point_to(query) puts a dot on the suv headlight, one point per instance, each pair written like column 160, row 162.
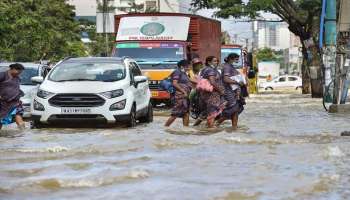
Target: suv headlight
column 118, row 106
column 44, row 94
column 113, row 93
column 38, row 106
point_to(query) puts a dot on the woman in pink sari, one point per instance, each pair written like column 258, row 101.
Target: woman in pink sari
column 213, row 100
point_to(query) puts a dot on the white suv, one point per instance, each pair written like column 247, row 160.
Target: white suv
column 92, row 89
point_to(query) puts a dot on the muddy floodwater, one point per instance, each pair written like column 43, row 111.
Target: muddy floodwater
column 286, row 147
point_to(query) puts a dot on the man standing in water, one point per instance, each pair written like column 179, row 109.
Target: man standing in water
column 10, row 105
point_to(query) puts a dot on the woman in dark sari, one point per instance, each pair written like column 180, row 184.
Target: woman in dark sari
column 214, row 103
column 10, row 105
column 233, row 97
column 182, row 84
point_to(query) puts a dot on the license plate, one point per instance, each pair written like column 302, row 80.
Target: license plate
column 75, row 110
column 154, row 93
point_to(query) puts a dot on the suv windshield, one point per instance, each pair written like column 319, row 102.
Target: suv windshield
column 74, row 71
column 162, row 52
column 26, row 75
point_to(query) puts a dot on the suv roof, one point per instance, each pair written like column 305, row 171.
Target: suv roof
column 95, row 59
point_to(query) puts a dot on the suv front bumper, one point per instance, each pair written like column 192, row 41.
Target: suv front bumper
column 102, row 113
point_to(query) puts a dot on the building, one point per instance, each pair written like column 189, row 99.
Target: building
column 272, row 35
column 88, row 8
column 276, row 36
column 85, row 9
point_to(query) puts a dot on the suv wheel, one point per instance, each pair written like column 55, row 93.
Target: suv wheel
column 36, row 125
column 148, row 118
column 132, row 117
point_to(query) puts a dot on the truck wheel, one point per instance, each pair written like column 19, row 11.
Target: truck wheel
column 148, row 118
column 132, row 117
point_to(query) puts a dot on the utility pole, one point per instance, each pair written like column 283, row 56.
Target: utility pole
column 246, row 43
column 330, row 49
column 158, row 2
column 235, row 36
column 105, row 17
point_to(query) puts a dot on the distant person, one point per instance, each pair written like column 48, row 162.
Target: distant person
column 269, row 77
column 234, row 98
column 10, row 105
column 182, row 84
column 197, row 65
column 195, row 102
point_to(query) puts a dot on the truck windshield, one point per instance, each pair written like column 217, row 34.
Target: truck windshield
column 151, row 53
column 225, row 52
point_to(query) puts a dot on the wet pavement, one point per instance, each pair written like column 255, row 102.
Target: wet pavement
column 286, row 147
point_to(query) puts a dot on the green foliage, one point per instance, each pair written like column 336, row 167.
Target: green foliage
column 31, row 30
column 266, row 54
column 301, row 15
column 97, row 47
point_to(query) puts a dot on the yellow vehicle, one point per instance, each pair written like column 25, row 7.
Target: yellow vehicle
column 157, row 41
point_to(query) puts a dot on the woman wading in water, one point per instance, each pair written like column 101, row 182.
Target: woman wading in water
column 11, row 109
column 182, row 84
column 214, row 103
column 234, row 99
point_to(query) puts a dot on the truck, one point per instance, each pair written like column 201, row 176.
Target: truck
column 157, row 41
column 231, row 48
column 238, row 49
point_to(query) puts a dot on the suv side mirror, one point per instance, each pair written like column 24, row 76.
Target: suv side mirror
column 140, row 79
column 37, row 79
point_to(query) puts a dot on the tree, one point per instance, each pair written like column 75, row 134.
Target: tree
column 32, row 30
column 302, row 17
column 96, row 47
column 266, row 54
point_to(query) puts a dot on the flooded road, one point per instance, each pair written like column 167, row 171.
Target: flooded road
column 287, row 147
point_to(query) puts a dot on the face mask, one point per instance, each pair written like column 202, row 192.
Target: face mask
column 182, row 69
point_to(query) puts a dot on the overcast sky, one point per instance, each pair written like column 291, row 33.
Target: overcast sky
column 242, row 29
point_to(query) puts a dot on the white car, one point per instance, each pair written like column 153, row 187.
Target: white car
column 283, row 82
column 27, row 86
column 105, row 90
